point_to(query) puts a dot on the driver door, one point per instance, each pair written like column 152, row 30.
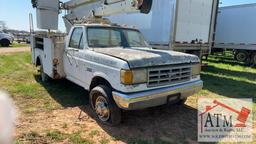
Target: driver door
column 71, row 56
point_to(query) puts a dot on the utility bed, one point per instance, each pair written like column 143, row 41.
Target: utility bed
column 50, row 48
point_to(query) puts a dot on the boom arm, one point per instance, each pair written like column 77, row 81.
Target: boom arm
column 111, row 7
column 78, row 10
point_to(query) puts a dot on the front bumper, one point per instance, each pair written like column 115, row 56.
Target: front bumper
column 156, row 97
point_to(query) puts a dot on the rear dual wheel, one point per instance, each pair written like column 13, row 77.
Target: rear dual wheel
column 254, row 58
column 245, row 56
column 242, row 56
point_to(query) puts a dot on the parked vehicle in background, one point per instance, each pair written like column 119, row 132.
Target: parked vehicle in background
column 176, row 25
column 236, row 30
column 19, row 35
column 22, row 37
column 6, row 39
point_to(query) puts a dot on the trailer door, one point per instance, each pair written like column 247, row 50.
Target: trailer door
column 193, row 21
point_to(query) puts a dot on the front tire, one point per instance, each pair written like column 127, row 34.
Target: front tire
column 104, row 106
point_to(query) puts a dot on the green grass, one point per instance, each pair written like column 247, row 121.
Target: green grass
column 17, row 75
column 17, row 45
column 93, row 133
column 21, row 79
column 53, row 137
column 227, row 78
column 222, row 78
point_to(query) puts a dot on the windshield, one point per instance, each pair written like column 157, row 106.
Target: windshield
column 114, row 37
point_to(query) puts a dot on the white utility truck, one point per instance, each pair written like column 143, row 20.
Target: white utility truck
column 236, row 30
column 114, row 63
column 178, row 25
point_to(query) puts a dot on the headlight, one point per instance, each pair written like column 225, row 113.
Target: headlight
column 130, row 77
column 196, row 69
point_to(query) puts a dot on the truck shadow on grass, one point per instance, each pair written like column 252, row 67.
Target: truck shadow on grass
column 164, row 124
column 64, row 92
column 232, row 85
column 235, row 74
column 229, row 60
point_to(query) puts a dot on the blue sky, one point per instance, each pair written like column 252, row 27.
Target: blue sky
column 15, row 12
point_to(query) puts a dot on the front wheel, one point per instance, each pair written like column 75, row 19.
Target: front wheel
column 104, row 106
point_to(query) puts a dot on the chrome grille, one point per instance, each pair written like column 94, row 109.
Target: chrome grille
column 168, row 75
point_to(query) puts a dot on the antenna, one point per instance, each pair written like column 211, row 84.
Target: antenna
column 31, row 23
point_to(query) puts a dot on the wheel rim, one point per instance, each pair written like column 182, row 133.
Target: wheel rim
column 241, row 57
column 254, row 59
column 102, row 109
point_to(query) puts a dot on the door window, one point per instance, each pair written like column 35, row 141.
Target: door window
column 77, row 39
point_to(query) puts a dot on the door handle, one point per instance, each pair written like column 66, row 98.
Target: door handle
column 71, row 57
column 71, row 50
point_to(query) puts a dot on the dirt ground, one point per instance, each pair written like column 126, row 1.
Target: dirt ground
column 6, row 50
column 166, row 124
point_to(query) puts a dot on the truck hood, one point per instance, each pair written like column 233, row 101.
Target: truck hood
column 141, row 57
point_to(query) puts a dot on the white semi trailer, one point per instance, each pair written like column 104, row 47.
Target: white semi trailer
column 236, row 30
column 179, row 25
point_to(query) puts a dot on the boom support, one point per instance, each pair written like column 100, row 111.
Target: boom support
column 80, row 10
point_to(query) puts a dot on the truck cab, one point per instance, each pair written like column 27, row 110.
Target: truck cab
column 118, row 67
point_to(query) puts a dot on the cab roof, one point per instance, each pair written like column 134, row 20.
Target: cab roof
column 105, row 25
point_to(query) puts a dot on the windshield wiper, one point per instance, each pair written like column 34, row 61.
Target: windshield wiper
column 107, row 46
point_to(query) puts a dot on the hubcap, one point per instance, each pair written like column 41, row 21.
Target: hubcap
column 241, row 57
column 102, row 109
